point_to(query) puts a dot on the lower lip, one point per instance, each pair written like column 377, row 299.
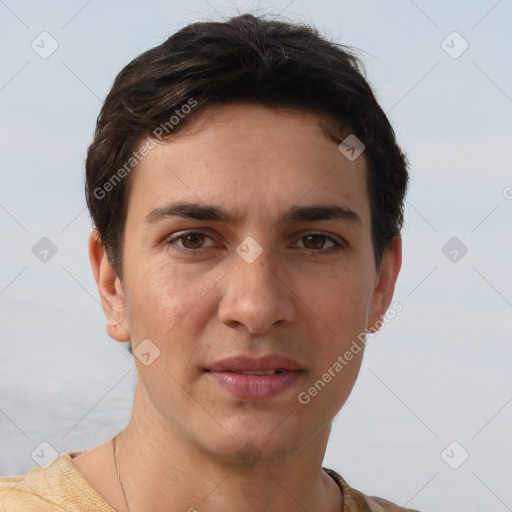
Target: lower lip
column 256, row 387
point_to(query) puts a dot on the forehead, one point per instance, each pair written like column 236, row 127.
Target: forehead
column 245, row 157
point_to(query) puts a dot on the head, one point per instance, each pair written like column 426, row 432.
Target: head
column 243, row 119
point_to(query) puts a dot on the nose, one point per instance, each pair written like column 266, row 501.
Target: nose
column 256, row 296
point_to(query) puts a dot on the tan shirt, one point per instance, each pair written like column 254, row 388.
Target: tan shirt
column 60, row 486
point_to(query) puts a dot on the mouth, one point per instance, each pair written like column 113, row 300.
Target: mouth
column 264, row 372
column 256, row 379
column 255, row 365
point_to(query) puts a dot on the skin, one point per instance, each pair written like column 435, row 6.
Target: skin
column 185, row 430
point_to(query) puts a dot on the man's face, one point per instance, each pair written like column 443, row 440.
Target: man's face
column 266, row 284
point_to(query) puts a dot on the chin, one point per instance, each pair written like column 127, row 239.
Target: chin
column 258, row 439
column 249, row 451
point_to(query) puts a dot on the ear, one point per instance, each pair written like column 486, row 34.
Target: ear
column 110, row 289
column 385, row 284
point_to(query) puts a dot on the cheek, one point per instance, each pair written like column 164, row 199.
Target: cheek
column 168, row 307
column 339, row 301
column 161, row 299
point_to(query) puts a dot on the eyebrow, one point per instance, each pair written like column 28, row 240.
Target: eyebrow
column 315, row 212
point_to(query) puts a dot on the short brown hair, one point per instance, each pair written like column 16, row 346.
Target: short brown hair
column 247, row 59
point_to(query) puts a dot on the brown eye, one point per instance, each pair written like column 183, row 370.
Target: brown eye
column 192, row 240
column 191, row 243
column 314, row 241
column 318, row 244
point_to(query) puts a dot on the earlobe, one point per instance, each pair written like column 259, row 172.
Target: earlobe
column 385, row 284
column 110, row 289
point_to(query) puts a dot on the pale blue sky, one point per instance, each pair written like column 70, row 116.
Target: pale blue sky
column 440, row 372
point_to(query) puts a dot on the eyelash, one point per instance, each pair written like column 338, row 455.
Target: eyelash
column 196, row 252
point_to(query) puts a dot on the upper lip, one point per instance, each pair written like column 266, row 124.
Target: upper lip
column 253, row 364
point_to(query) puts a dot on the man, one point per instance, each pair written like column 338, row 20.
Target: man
column 247, row 197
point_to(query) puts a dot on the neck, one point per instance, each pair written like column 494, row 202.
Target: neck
column 163, row 470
